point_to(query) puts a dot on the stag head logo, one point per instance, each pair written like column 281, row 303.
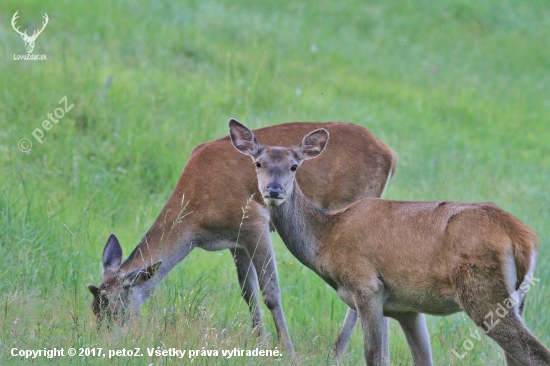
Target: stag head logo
column 29, row 40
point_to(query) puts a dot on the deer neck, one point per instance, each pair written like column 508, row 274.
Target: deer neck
column 301, row 225
column 168, row 240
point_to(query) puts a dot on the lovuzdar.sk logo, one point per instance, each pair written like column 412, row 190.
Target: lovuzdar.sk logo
column 29, row 40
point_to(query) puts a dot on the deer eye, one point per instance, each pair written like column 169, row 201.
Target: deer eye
column 258, row 165
column 294, row 167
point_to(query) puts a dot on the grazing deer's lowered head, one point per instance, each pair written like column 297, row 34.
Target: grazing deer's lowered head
column 113, row 298
column 211, row 219
column 29, row 40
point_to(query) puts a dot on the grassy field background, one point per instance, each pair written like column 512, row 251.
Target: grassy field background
column 459, row 88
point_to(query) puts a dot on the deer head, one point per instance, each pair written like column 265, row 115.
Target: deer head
column 112, row 299
column 276, row 166
column 29, row 40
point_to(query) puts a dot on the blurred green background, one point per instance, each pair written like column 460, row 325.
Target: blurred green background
column 459, row 88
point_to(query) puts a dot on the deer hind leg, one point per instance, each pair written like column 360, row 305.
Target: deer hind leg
column 521, row 347
column 485, row 298
column 260, row 250
column 416, row 332
column 345, row 334
column 386, row 341
column 248, row 280
column 509, row 359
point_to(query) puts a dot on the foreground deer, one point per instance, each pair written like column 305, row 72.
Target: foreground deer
column 402, row 259
column 205, row 211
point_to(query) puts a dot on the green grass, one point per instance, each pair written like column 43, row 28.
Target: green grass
column 458, row 88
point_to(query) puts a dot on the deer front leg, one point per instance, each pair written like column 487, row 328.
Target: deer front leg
column 347, row 329
column 416, row 332
column 248, row 281
column 369, row 305
column 263, row 258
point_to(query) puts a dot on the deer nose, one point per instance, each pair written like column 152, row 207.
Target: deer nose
column 274, row 190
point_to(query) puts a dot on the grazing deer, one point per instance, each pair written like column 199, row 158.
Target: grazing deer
column 29, row 40
column 403, row 259
column 205, row 211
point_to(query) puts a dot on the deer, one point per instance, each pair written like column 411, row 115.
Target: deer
column 403, row 259
column 205, row 210
column 29, row 40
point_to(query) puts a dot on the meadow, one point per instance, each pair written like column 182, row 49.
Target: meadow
column 458, row 88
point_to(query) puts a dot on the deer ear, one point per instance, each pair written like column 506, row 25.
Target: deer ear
column 312, row 145
column 112, row 255
column 243, row 139
column 94, row 290
column 141, row 275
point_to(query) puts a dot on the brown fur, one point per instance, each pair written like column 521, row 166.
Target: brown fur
column 402, row 259
column 205, row 211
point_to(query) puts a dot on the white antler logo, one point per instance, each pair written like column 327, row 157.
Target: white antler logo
column 29, row 40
